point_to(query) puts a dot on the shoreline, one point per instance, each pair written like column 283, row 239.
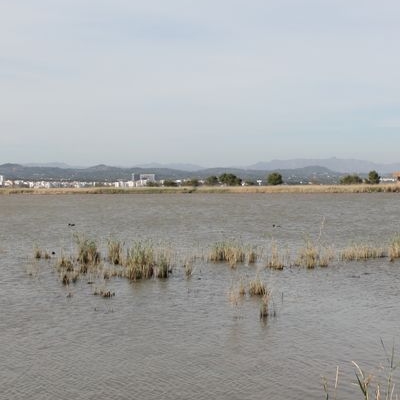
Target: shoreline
column 305, row 189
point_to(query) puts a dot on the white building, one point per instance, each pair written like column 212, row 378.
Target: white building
column 1, row 180
column 147, row 177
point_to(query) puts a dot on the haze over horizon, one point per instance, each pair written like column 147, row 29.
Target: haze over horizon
column 214, row 84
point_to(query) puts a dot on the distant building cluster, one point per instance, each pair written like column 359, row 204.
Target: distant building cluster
column 144, row 180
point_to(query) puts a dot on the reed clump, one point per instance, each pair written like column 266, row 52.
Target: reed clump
column 115, row 250
column 163, row 263
column 308, row 256
column 68, row 277
column 257, row 287
column 188, row 267
column 65, row 263
column 251, row 255
column 140, row 261
column 360, row 251
column 144, row 262
column 264, row 306
column 103, row 292
column 326, row 255
column 276, row 260
column 88, row 254
column 230, row 252
column 237, row 292
column 394, row 248
column 37, row 253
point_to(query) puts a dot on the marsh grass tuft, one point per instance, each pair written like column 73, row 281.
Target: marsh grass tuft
column 65, row 263
column 88, row 255
column 264, row 306
column 163, row 263
column 226, row 251
column 394, row 248
column 115, row 250
column 257, row 287
column 140, row 261
column 308, row 256
column 359, row 251
column 68, row 277
column 275, row 260
column 144, row 262
column 251, row 255
column 188, row 267
column 103, row 292
column 326, row 255
column 37, row 253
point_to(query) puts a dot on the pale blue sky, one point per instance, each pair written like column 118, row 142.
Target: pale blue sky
column 215, row 83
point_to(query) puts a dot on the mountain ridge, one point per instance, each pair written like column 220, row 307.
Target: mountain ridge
column 340, row 165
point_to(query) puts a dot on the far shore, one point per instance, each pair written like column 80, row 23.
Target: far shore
column 360, row 188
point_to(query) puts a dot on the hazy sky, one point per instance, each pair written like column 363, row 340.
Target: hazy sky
column 215, row 83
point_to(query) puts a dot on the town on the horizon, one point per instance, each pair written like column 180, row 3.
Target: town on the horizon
column 149, row 180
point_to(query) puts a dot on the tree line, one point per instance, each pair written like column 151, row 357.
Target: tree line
column 228, row 179
column 373, row 179
column 274, row 178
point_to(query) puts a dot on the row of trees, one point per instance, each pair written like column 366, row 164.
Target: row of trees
column 229, row 180
column 373, row 179
column 232, row 180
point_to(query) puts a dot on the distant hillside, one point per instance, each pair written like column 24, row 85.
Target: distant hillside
column 97, row 173
column 334, row 164
column 105, row 173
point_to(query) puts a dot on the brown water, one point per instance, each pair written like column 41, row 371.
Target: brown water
column 181, row 338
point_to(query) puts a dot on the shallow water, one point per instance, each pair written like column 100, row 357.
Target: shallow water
column 181, row 338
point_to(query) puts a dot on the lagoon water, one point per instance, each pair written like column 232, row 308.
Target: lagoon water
column 181, row 338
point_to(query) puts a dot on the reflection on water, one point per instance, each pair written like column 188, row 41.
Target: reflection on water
column 180, row 338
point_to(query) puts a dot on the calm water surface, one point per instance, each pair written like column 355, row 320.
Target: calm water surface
column 181, row 338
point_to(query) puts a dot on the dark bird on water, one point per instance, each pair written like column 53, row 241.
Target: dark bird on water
column 69, row 224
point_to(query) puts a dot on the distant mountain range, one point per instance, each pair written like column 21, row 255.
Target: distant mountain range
column 341, row 165
column 293, row 171
column 334, row 164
